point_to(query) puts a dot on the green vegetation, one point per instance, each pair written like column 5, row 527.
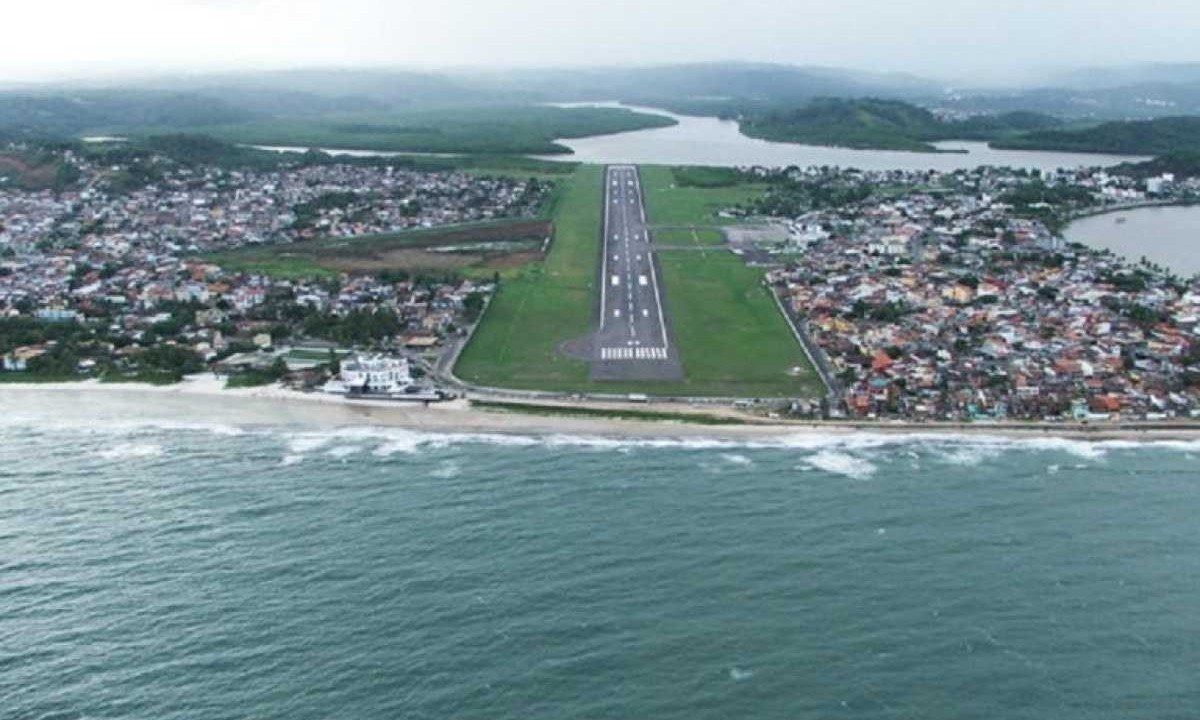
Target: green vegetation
column 362, row 328
column 706, row 177
column 1144, row 137
column 480, row 249
column 881, row 124
column 273, row 265
column 62, row 114
column 200, row 149
column 669, row 203
column 545, row 304
column 480, row 129
column 590, row 412
column 733, row 340
column 688, row 237
column 257, row 378
column 36, row 170
column 1183, row 164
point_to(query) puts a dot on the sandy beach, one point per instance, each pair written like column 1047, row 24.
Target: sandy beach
column 203, row 399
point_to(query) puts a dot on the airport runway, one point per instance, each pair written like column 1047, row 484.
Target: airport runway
column 633, row 339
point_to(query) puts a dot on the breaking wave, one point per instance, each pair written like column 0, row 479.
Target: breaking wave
column 128, row 451
column 842, row 464
column 842, row 451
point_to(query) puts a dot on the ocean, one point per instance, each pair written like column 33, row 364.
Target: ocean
column 175, row 570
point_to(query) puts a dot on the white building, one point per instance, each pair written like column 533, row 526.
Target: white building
column 371, row 375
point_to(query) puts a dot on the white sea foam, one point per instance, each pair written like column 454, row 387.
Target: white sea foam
column 289, row 460
column 737, row 459
column 738, row 674
column 842, row 464
column 126, row 451
column 970, row 456
column 343, row 451
column 405, row 444
column 963, row 448
column 307, row 443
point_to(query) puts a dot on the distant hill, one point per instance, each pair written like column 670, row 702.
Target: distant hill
column 1181, row 164
column 1145, row 137
column 881, row 124
column 382, row 88
column 67, row 113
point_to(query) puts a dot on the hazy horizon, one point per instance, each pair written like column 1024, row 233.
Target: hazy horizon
column 1021, row 42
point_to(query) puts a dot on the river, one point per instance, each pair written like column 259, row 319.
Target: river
column 1169, row 236
column 710, row 141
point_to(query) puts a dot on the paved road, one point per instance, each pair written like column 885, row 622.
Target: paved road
column 633, row 338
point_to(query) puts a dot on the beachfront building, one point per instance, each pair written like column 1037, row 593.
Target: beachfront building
column 371, row 375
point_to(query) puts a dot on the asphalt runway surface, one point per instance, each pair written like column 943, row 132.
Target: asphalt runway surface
column 633, row 338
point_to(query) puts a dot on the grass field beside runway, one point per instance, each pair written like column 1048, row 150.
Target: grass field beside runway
column 732, row 338
column 545, row 304
column 670, row 204
column 688, row 237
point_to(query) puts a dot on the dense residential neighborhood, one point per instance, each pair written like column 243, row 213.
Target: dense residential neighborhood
column 101, row 282
column 953, row 300
column 921, row 296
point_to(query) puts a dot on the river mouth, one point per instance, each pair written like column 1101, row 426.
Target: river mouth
column 1166, row 236
column 714, row 142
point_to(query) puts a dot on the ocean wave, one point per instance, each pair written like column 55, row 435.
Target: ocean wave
column 966, row 449
column 737, row 459
column 842, row 464
column 129, row 451
column 343, row 451
column 307, row 443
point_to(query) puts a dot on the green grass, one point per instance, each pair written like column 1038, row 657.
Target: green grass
column 680, row 237
column 270, row 264
column 706, row 177
column 327, row 257
column 733, row 340
column 668, row 203
column 545, row 304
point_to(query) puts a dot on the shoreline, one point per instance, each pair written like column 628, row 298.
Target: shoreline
column 203, row 399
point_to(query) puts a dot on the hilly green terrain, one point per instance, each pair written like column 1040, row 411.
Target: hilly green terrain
column 1143, row 137
column 880, row 124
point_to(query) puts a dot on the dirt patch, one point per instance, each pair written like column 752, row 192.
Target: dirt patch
column 378, row 245
column 402, row 260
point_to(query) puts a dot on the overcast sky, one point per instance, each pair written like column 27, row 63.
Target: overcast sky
column 954, row 40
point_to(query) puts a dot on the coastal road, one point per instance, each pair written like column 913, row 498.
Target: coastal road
column 633, row 340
